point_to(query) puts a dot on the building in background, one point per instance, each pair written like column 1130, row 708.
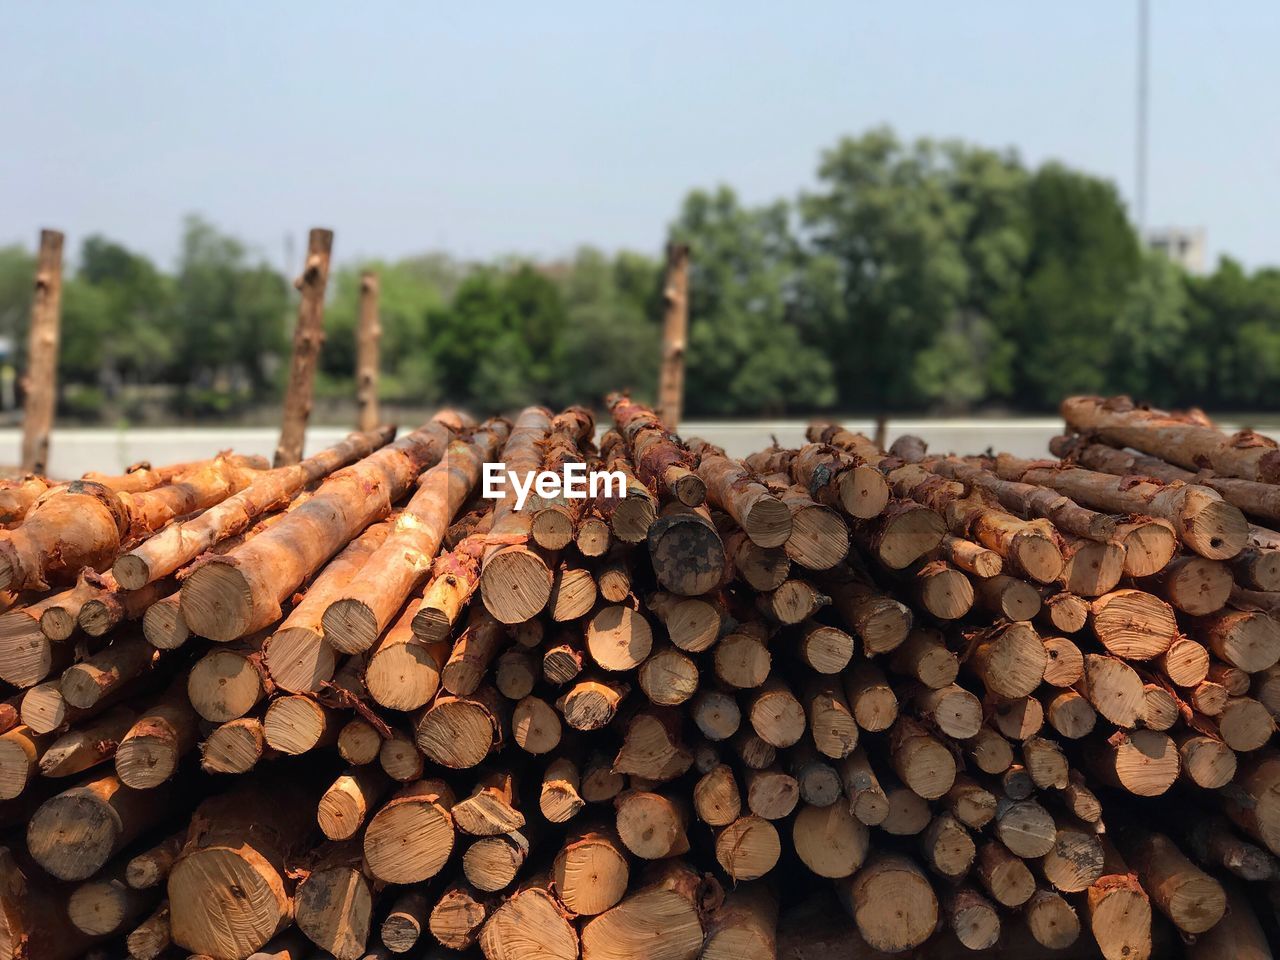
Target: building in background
column 1185, row 246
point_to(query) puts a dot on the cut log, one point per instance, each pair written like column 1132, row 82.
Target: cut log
column 1051, row 921
column 686, row 551
column 459, row 732
column 668, row 677
column 870, row 697
column 1065, row 665
column 989, row 751
column 151, row 938
column 1212, row 841
column 748, row 848
column 456, row 919
column 891, row 902
column 350, row 799
column 241, row 591
column 233, row 747
column 1010, row 660
column 1076, row 859
column 1246, row 454
column 947, row 847
column 1185, row 663
column 1133, row 624
column 1091, row 567
column 1072, row 716
column 1254, row 801
column 229, row 892
column 296, row 724
column 307, row 338
column 925, row 657
column 228, row 681
column 333, row 902
column 973, row 919
column 776, row 715
column 410, row 838
column 590, row 871
column 85, row 683
column 1009, row 597
column 403, row 671
column 165, row 732
column 106, row 905
column 970, row 802
column 1003, row 875
column 731, row 487
column 744, row 927
column 1160, row 708
column 830, row 840
column 529, row 925
column 1114, row 689
column 661, row 459
column 1064, row 612
column 1143, row 762
column 1238, row 935
column 1249, row 640
column 1184, row 893
column 970, row 557
column 661, row 920
column 93, row 743
column 1025, row 828
column 1245, row 724
column 923, row 762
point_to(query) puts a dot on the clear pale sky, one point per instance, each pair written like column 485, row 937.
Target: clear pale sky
column 533, row 127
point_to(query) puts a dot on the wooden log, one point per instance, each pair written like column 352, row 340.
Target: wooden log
column 1184, row 893
column 1204, row 521
column 1143, row 762
column 668, row 677
column 830, row 840
column 106, row 905
column 1076, row 860
column 989, row 751
column 776, row 715
column 1245, row 724
column 619, row 638
column 716, row 714
column 1091, row 568
column 180, row 543
column 59, row 615
column 150, row 938
column 1246, row 639
column 358, row 614
column 824, row 649
column 227, row 682
column 1011, row 598
column 529, row 925
column 1051, row 920
column 741, row 660
column 744, row 927
column 85, row 683
column 662, row 460
column 870, row 697
column 832, row 726
column 716, row 799
column 891, row 902
column 333, row 902
column 1004, row 875
column 358, row 741
column 1063, row 612
column 1025, row 828
column 493, row 863
column 1246, row 454
column 909, row 812
column 1065, row 665
column 240, row 591
column 296, row 724
column 459, row 732
column 840, row 479
column 792, row 603
column 93, row 743
column 1238, row 934
column 970, row 802
column 473, row 651
column 1185, row 663
column 163, row 734
column 693, row 623
column 661, row 919
column 1072, row 716
column 411, row 836
column 731, row 487
column 1119, row 911
column 1193, row 585
column 652, row 746
column 1133, row 624
column 675, row 335
column 563, row 661
column 1234, row 680
column 559, row 799
column 1256, row 569
column 1208, row 698
column 924, row 656
column 1160, row 708
column 685, row 550
column 1253, row 803
column 1114, row 689
column 456, row 918
column 972, row 918
column 307, row 338
column 400, row 759
column 922, row 761
column 590, row 871
column 403, row 671
column 590, row 704
column 515, row 674
column 233, row 747
column 947, row 847
column 868, row 801
column 952, row 709
column 163, row 625
column 1010, row 660
column 970, row 557
column 350, row 799
column 1017, row 719
column 229, row 892
column 773, row 794
column 748, row 848
column 40, row 381
column 20, row 751
column 1212, row 841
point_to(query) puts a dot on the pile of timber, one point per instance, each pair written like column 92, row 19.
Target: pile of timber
column 831, row 700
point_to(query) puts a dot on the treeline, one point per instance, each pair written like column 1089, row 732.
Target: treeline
column 931, row 276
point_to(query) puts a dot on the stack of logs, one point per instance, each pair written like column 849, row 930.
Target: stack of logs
column 351, row 708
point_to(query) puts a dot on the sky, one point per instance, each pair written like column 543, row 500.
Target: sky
column 531, row 128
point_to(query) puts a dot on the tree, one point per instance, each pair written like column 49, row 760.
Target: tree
column 747, row 353
column 1084, row 257
column 1149, row 345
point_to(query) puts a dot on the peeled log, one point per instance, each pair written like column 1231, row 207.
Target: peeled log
column 590, row 872
column 239, row 592
column 410, row 838
column 744, row 927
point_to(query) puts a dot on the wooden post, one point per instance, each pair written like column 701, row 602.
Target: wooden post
column 367, row 337
column 40, row 385
column 675, row 335
column 307, row 338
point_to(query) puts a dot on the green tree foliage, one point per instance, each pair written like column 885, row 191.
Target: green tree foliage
column 932, row 275
column 746, row 348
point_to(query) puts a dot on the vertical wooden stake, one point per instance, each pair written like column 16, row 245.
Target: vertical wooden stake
column 367, row 337
column 307, row 339
column 40, row 384
column 675, row 334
